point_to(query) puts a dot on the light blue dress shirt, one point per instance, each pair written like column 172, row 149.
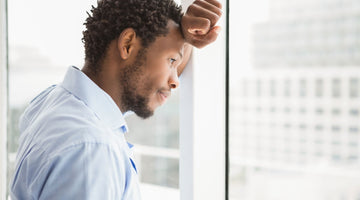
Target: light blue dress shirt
column 72, row 146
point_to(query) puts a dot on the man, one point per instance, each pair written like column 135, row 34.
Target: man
column 72, row 143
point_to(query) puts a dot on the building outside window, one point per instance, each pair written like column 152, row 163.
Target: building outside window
column 303, row 143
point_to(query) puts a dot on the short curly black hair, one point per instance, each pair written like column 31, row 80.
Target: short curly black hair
column 149, row 19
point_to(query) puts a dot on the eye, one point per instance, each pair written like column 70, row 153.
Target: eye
column 172, row 60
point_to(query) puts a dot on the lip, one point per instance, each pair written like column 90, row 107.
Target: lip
column 164, row 95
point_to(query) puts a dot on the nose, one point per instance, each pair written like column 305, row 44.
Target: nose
column 174, row 80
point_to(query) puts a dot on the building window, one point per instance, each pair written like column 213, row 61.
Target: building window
column 354, row 87
column 336, row 88
column 319, row 88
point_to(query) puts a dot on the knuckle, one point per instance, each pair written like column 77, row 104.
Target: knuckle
column 214, row 18
column 218, row 11
column 217, row 17
column 216, row 3
column 197, row 2
column 191, row 8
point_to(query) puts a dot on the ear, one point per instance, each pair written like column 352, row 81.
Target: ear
column 127, row 42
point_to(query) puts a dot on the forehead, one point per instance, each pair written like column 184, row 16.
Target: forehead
column 173, row 41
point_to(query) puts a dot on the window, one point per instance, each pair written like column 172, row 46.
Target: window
column 305, row 144
column 3, row 97
column 336, row 90
column 39, row 55
column 319, row 85
column 354, row 87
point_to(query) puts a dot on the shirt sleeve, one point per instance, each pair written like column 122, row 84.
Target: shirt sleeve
column 88, row 171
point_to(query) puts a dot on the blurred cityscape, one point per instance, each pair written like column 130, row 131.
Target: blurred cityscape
column 294, row 119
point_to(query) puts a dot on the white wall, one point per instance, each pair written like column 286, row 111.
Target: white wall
column 3, row 97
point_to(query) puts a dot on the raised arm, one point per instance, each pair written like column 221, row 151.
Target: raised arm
column 199, row 26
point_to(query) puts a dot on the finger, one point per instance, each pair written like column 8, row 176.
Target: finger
column 198, row 11
column 212, row 34
column 209, row 6
column 203, row 40
column 196, row 25
column 215, row 3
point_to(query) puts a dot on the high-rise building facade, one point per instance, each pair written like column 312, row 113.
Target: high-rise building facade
column 296, row 113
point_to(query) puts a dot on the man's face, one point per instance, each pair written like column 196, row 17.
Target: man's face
column 147, row 83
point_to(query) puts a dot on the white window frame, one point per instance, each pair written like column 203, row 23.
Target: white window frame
column 202, row 121
column 3, row 98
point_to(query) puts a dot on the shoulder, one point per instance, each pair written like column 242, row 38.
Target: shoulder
column 59, row 117
column 64, row 145
column 85, row 170
column 56, row 120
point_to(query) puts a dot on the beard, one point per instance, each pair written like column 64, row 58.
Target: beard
column 132, row 81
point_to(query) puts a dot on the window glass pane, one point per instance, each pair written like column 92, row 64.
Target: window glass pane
column 319, row 91
column 44, row 40
column 294, row 99
column 157, row 145
column 354, row 87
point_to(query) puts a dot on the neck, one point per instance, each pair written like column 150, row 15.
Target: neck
column 107, row 79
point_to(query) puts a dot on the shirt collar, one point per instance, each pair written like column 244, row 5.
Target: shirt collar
column 93, row 96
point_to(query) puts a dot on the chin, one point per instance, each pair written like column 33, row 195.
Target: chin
column 144, row 114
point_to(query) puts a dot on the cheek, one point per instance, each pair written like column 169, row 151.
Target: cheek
column 156, row 74
column 148, row 86
column 159, row 78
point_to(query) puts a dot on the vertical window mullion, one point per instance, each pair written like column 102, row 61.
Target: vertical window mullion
column 202, row 121
column 3, row 96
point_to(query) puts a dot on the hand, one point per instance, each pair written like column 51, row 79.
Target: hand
column 198, row 23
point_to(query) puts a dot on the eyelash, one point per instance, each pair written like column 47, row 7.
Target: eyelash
column 172, row 60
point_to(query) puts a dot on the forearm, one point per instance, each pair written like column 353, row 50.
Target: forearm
column 198, row 27
column 186, row 57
